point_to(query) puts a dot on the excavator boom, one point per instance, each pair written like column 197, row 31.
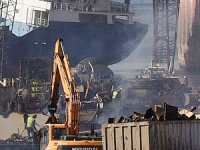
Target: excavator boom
column 65, row 136
column 62, row 73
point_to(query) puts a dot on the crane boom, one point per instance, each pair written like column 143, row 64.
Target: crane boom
column 165, row 15
column 62, row 73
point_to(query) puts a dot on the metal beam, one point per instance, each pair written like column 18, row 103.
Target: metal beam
column 165, row 16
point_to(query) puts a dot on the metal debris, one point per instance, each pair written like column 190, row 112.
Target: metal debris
column 17, row 139
column 158, row 113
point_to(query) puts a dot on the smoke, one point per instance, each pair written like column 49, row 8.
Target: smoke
column 142, row 55
column 124, row 105
column 138, row 60
column 132, row 66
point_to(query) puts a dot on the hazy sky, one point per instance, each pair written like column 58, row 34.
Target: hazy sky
column 142, row 55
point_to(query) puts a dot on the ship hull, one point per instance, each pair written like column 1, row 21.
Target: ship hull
column 188, row 35
column 107, row 43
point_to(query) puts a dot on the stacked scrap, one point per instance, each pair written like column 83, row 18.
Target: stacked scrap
column 158, row 114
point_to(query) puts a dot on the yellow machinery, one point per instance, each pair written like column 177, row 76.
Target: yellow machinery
column 66, row 136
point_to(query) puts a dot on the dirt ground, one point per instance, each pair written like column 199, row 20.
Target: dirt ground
column 15, row 124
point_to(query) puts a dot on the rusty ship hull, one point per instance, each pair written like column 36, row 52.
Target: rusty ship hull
column 188, row 35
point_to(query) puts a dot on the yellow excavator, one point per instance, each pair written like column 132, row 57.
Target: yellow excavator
column 55, row 136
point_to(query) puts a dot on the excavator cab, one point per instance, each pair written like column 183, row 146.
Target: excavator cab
column 55, row 136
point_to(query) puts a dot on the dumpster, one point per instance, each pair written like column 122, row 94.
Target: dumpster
column 152, row 135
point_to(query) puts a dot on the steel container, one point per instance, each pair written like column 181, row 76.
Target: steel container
column 152, row 135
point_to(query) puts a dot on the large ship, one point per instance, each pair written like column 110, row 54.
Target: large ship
column 102, row 29
column 188, row 35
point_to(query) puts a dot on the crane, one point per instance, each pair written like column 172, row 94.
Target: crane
column 65, row 135
column 165, row 16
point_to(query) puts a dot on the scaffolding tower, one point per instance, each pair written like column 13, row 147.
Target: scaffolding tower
column 7, row 14
column 165, row 15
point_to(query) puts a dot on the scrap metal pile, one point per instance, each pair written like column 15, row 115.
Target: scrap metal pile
column 158, row 113
column 18, row 142
column 16, row 139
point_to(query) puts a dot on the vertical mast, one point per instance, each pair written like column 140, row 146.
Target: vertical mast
column 165, row 14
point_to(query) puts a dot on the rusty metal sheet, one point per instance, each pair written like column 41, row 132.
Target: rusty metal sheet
column 122, row 136
column 175, row 135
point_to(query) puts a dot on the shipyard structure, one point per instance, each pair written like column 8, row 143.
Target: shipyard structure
column 188, row 35
column 104, row 30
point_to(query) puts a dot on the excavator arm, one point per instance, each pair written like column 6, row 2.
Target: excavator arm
column 62, row 73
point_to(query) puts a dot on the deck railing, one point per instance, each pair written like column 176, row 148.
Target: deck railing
column 113, row 7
